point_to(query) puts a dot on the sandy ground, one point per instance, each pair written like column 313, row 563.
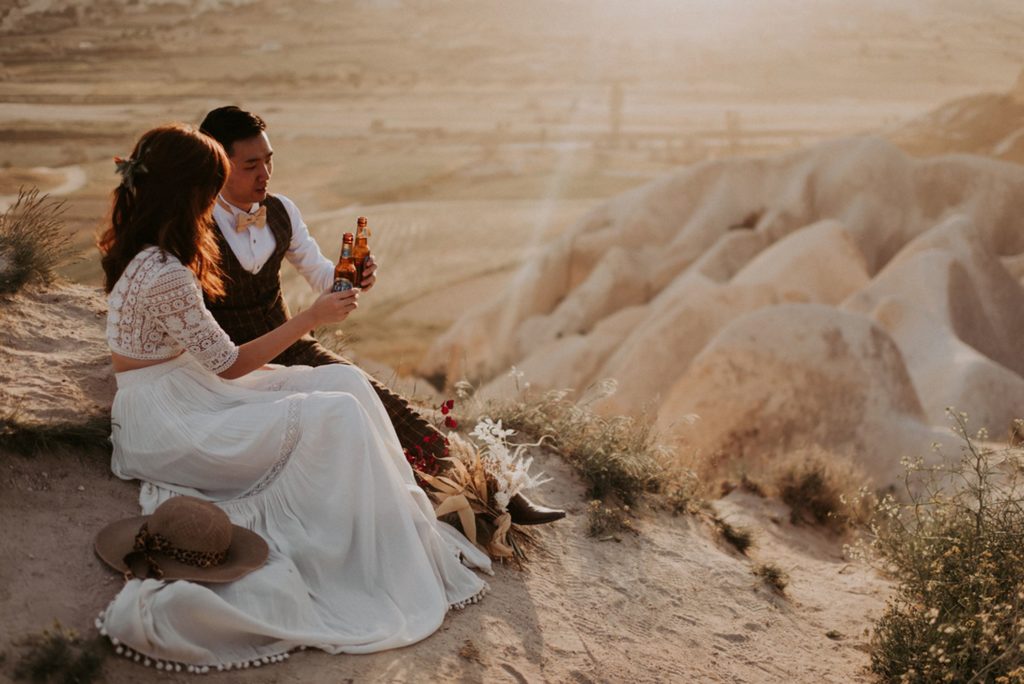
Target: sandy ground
column 671, row 603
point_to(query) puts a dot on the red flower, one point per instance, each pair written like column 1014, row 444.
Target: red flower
column 421, row 461
column 423, row 457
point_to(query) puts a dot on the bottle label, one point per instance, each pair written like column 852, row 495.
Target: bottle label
column 341, row 284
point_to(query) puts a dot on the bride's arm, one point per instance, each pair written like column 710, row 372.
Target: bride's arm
column 173, row 299
column 330, row 307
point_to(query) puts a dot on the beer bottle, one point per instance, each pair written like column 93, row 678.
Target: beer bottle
column 361, row 251
column 345, row 271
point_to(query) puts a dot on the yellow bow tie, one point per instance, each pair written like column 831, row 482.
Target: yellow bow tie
column 255, row 220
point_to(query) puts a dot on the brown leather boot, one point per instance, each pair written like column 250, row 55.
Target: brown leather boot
column 525, row 512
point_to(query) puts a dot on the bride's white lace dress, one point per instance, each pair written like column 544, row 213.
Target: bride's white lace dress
column 306, row 457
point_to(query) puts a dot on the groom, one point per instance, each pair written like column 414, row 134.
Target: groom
column 256, row 232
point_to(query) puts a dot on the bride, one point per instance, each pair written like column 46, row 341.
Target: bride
column 305, row 457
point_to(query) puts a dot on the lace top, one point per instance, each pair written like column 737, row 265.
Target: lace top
column 156, row 310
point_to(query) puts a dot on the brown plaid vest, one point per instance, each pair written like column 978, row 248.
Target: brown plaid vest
column 254, row 305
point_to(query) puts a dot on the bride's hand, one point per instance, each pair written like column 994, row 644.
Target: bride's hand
column 334, row 307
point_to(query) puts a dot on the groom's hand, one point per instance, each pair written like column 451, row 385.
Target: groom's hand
column 369, row 273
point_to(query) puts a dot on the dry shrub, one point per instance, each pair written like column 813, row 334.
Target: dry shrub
column 470, row 651
column 772, row 575
column 739, row 538
column 746, row 484
column 92, row 434
column 955, row 550
column 680, row 493
column 604, row 520
column 617, row 456
column 60, row 655
column 33, row 243
column 751, row 486
column 822, row 488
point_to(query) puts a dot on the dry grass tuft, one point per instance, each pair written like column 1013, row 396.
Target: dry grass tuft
column 739, row 538
column 752, row 486
column 680, row 495
column 26, row 438
column 772, row 575
column 469, row 651
column 746, row 484
column 60, row 655
column 617, row 456
column 606, row 521
column 33, row 243
column 821, row 488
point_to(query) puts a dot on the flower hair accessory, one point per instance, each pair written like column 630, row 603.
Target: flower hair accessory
column 129, row 168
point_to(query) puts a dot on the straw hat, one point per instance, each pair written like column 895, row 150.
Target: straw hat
column 185, row 538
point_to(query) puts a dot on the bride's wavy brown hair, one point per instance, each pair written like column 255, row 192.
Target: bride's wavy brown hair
column 167, row 201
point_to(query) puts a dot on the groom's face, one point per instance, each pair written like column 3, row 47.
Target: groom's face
column 251, row 167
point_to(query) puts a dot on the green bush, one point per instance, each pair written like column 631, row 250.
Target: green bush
column 957, row 552
column 33, row 243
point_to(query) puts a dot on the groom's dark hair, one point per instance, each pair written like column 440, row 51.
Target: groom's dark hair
column 228, row 124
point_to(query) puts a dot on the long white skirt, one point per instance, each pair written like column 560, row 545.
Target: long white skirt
column 307, row 458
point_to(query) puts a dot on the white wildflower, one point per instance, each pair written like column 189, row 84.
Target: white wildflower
column 463, row 389
column 517, row 375
column 490, row 433
column 601, row 390
column 607, row 387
